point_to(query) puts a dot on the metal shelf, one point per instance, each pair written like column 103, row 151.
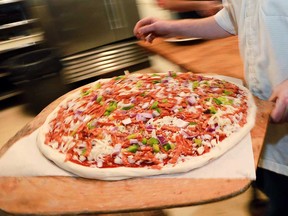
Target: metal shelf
column 2, row 2
column 4, row 75
column 20, row 42
column 17, row 32
column 17, row 24
column 9, row 94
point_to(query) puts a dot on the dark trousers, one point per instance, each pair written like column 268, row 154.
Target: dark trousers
column 275, row 186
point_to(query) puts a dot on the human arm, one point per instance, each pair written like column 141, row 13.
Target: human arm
column 206, row 28
column 279, row 95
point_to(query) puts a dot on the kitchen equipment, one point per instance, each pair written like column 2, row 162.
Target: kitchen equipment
column 94, row 37
column 18, row 34
column 37, row 74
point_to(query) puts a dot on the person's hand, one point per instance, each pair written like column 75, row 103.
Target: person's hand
column 279, row 113
column 150, row 28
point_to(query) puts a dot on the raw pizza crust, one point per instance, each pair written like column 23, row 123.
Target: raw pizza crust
column 120, row 173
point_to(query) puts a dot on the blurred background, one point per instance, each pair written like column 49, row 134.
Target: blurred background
column 90, row 39
column 49, row 47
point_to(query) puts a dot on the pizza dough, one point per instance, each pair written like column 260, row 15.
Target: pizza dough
column 143, row 125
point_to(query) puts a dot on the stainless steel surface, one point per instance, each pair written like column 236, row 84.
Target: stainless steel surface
column 75, row 26
column 102, row 60
column 94, row 37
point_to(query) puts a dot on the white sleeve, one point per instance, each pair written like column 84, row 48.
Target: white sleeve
column 225, row 20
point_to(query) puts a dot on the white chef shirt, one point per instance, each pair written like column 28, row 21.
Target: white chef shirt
column 262, row 28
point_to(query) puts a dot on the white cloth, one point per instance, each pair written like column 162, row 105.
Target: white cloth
column 23, row 158
column 262, row 28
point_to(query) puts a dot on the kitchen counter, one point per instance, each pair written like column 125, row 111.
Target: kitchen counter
column 70, row 195
column 201, row 56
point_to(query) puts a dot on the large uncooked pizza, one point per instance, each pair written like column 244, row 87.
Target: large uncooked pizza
column 139, row 125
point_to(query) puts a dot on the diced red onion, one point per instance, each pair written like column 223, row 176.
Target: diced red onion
column 78, row 112
column 209, row 129
column 175, row 109
column 186, row 83
column 161, row 140
column 143, row 116
column 133, row 100
column 147, row 115
column 133, row 141
column 149, row 128
column 140, row 117
column 108, row 91
column 117, row 148
column 185, row 135
column 191, row 100
column 90, row 103
column 112, row 129
column 109, row 99
column 123, row 111
column 132, row 115
column 94, row 98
